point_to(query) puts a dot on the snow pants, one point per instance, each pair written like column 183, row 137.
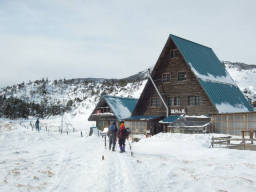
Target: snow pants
column 112, row 140
column 122, row 144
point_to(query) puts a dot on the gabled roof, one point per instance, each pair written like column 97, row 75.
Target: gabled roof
column 213, row 77
column 122, row 107
column 216, row 82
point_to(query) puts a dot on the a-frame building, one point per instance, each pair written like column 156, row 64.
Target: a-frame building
column 191, row 80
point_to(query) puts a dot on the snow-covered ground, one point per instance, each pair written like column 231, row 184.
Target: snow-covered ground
column 48, row 161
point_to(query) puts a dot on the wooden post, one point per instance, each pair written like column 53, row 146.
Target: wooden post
column 244, row 120
column 227, row 119
column 105, row 138
column 243, row 136
column 228, row 141
column 212, row 125
column 81, row 134
column 251, row 136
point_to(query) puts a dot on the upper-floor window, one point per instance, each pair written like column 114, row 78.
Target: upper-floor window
column 155, row 101
column 182, row 76
column 166, row 77
column 173, row 53
column 194, row 100
column 173, row 101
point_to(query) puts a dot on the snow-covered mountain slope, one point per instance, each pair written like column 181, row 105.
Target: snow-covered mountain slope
column 244, row 76
column 48, row 161
column 82, row 94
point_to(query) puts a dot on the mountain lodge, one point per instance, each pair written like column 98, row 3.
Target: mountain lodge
column 191, row 80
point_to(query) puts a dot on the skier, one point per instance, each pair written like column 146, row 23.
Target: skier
column 112, row 135
column 122, row 135
column 37, row 124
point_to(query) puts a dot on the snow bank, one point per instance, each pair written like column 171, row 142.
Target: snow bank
column 174, row 144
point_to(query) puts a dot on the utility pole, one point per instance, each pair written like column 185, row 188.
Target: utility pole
column 62, row 110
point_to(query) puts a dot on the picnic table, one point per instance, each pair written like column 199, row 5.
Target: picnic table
column 251, row 132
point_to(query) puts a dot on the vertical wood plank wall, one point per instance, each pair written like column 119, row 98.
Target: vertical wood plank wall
column 233, row 123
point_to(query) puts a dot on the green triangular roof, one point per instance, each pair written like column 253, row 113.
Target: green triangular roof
column 213, row 77
column 218, row 85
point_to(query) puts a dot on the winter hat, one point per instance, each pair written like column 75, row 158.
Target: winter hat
column 122, row 126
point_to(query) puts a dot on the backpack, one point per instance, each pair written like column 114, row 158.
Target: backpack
column 112, row 128
column 123, row 134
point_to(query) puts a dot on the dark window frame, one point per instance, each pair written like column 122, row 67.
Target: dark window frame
column 166, row 77
column 183, row 77
column 154, row 101
column 174, row 53
column 194, row 100
column 174, row 101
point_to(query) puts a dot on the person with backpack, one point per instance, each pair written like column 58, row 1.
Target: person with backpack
column 112, row 135
column 122, row 135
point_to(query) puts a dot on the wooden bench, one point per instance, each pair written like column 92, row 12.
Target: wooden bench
column 220, row 140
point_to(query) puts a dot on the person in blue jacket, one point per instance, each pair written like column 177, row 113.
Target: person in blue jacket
column 112, row 135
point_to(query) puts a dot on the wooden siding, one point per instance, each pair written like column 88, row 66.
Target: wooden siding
column 137, row 127
column 233, row 123
column 174, row 87
column 101, row 124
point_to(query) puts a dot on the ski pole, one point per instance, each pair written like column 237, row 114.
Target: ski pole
column 130, row 147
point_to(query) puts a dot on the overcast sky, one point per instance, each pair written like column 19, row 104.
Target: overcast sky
column 115, row 38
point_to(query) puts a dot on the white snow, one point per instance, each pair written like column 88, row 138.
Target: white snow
column 48, row 161
column 103, row 114
column 209, row 77
column 120, row 110
column 227, row 108
column 195, row 116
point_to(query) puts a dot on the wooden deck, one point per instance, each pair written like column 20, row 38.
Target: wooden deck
column 228, row 142
column 243, row 147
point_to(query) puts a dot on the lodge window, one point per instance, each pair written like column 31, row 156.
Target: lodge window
column 182, row 76
column 103, row 110
column 155, row 101
column 166, row 77
column 173, row 53
column 194, row 100
column 173, row 101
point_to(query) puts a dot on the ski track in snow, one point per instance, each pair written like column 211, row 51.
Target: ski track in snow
column 32, row 161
